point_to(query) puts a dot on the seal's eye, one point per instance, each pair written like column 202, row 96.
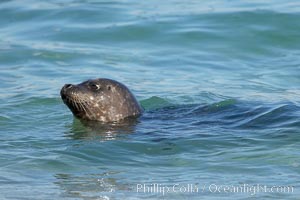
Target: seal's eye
column 108, row 87
column 95, row 86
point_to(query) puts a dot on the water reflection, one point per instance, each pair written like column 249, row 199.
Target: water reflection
column 90, row 186
column 102, row 131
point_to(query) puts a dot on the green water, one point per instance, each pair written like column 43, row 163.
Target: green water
column 220, row 82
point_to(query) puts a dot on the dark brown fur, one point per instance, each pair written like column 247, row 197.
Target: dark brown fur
column 100, row 99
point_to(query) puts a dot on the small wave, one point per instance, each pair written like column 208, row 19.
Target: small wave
column 270, row 117
column 4, row 118
column 230, row 114
column 23, row 101
column 155, row 102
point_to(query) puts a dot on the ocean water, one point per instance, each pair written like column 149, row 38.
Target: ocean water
column 219, row 81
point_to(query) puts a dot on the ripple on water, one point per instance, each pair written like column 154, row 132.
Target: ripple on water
column 219, row 81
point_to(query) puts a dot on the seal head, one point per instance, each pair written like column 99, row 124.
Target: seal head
column 100, row 99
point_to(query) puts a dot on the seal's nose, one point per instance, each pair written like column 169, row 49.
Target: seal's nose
column 65, row 90
column 68, row 86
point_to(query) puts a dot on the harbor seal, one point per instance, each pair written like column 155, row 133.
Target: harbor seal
column 102, row 99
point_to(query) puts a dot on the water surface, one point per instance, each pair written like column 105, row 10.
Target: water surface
column 220, row 82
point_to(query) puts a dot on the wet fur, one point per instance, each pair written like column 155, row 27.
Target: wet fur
column 101, row 99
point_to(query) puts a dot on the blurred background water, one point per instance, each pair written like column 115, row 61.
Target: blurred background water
column 219, row 79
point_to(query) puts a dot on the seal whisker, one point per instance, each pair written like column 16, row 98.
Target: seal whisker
column 76, row 105
column 84, row 108
column 85, row 105
column 72, row 102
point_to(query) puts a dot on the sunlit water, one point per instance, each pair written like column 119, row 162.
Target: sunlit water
column 219, row 80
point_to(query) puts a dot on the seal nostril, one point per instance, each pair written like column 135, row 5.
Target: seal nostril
column 67, row 86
